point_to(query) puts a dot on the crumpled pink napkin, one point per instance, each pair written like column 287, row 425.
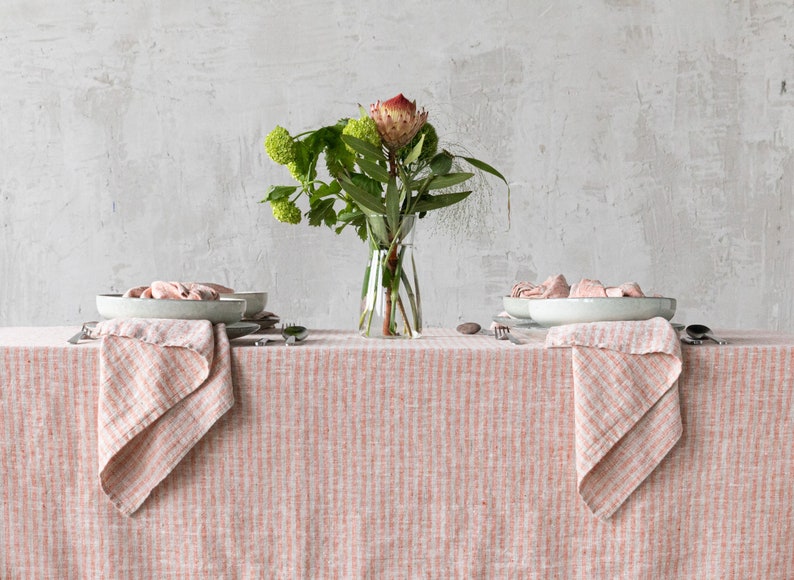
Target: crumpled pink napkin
column 626, row 406
column 163, row 384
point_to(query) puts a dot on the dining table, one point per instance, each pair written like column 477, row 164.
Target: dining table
column 447, row 456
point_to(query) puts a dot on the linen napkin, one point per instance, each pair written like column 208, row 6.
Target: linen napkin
column 626, row 405
column 163, row 384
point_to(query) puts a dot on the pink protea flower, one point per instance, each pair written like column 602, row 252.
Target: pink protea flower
column 397, row 120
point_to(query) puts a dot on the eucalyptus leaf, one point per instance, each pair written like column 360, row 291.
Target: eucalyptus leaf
column 364, row 148
column 448, row 180
column 431, row 202
column 367, row 202
column 365, row 182
column 378, row 229
column 483, row 166
column 373, row 169
column 420, row 186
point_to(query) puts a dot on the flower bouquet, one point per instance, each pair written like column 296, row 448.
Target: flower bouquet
column 383, row 171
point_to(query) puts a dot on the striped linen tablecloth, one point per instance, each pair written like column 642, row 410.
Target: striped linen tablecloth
column 446, row 457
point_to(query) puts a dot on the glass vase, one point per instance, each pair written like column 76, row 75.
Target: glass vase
column 391, row 305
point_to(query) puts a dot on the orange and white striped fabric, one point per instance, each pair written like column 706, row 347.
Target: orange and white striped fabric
column 627, row 415
column 447, row 457
column 163, row 384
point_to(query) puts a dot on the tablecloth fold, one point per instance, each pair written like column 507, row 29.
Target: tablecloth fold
column 163, row 384
column 626, row 405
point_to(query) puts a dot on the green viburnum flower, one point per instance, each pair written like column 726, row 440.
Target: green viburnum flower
column 364, row 129
column 285, row 210
column 294, row 171
column 280, row 146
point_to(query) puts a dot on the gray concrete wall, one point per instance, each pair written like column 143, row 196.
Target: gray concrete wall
column 644, row 141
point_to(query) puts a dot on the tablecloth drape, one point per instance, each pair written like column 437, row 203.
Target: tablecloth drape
column 447, row 457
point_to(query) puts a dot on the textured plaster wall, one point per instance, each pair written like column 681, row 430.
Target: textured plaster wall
column 643, row 140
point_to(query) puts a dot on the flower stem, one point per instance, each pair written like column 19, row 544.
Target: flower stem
column 392, row 262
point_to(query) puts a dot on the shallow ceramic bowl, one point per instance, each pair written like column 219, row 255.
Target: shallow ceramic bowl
column 556, row 311
column 226, row 310
column 255, row 302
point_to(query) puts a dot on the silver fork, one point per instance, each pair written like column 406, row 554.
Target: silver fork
column 503, row 333
column 85, row 332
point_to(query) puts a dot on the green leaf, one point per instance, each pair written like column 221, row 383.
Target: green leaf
column 354, row 219
column 278, row 192
column 338, row 159
column 305, row 161
column 365, row 182
column 378, row 229
column 367, row 202
column 318, row 140
column 349, row 216
column 441, row 164
column 448, row 180
column 431, row 202
column 364, row 148
column 325, row 190
column 373, row 169
column 483, row 166
column 302, row 155
column 322, row 212
column 415, row 152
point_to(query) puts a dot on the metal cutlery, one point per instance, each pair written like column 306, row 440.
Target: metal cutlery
column 85, row 332
column 503, row 333
column 700, row 331
column 291, row 333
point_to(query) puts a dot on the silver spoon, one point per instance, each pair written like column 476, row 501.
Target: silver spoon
column 699, row 331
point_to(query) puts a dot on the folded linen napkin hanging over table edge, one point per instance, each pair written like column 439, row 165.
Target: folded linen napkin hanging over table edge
column 626, row 406
column 163, row 384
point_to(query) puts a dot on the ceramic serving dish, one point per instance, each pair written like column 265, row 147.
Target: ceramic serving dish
column 255, row 302
column 226, row 310
column 556, row 311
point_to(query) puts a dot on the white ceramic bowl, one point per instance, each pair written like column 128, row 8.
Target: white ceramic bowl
column 556, row 311
column 255, row 302
column 226, row 310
